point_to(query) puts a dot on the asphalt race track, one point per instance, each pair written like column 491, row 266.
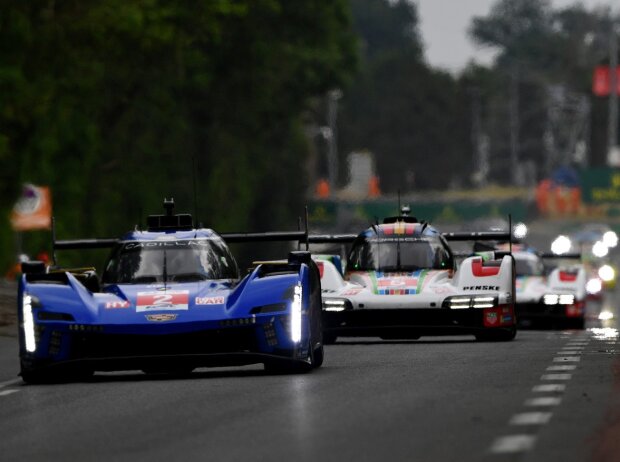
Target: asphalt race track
column 547, row 396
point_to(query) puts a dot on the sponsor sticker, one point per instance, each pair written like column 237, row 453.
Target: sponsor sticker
column 491, row 319
column 163, row 317
column 117, row 304
column 170, row 300
column 210, row 300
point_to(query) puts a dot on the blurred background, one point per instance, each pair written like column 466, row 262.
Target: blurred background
column 244, row 111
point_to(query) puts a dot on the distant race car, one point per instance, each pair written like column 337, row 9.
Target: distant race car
column 170, row 300
column 556, row 299
column 596, row 243
column 401, row 281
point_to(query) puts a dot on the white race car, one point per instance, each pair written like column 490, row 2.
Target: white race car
column 402, row 281
column 556, row 299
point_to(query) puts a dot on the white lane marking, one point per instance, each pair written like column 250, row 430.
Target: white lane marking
column 549, row 388
column 10, row 383
column 544, row 401
column 573, row 347
column 531, row 418
column 513, row 443
column 556, row 376
column 566, row 359
column 583, row 344
column 7, row 392
column 563, row 367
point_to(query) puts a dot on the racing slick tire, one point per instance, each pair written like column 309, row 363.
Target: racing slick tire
column 318, row 355
column 497, row 336
column 292, row 366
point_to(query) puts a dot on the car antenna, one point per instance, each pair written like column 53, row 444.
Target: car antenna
column 194, row 186
column 306, row 230
column 169, row 206
column 54, row 240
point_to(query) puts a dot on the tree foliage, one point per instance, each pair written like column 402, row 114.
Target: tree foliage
column 115, row 104
column 400, row 108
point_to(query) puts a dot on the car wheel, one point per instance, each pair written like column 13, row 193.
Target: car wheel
column 293, row 366
column 318, row 356
column 497, row 336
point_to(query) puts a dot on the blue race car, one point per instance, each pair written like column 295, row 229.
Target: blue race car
column 170, row 300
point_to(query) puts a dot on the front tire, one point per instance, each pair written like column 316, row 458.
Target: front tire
column 497, row 335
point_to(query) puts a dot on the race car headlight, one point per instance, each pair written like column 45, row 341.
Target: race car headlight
column 606, row 273
column 464, row 302
column 555, row 299
column 336, row 304
column 561, row 244
column 610, row 239
column 296, row 314
column 594, row 286
column 29, row 337
column 599, row 249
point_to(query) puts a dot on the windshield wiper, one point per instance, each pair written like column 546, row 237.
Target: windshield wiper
column 188, row 277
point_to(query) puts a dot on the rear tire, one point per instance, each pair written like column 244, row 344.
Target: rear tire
column 497, row 336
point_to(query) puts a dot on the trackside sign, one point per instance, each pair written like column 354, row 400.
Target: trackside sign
column 601, row 185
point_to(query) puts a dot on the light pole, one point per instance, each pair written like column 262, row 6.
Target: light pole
column 332, row 152
column 613, row 156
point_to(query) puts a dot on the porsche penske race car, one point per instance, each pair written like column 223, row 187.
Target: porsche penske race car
column 402, row 281
column 556, row 299
column 169, row 300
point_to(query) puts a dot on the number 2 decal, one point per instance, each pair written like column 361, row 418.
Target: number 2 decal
column 162, row 301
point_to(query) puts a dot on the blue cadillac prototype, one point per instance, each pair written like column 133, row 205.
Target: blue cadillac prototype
column 170, row 300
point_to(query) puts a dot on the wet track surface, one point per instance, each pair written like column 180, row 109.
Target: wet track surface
column 549, row 395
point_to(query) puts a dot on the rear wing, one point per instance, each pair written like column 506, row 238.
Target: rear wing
column 478, row 236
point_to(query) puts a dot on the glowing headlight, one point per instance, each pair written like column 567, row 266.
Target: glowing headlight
column 606, row 273
column 551, row 299
column 605, row 315
column 296, row 314
column 566, row 299
column 610, row 239
column 334, row 305
column 599, row 249
column 480, row 301
column 519, row 231
column 29, row 338
column 560, row 245
column 594, row 286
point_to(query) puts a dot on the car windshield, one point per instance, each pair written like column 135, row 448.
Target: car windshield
column 391, row 254
column 193, row 260
column 528, row 267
